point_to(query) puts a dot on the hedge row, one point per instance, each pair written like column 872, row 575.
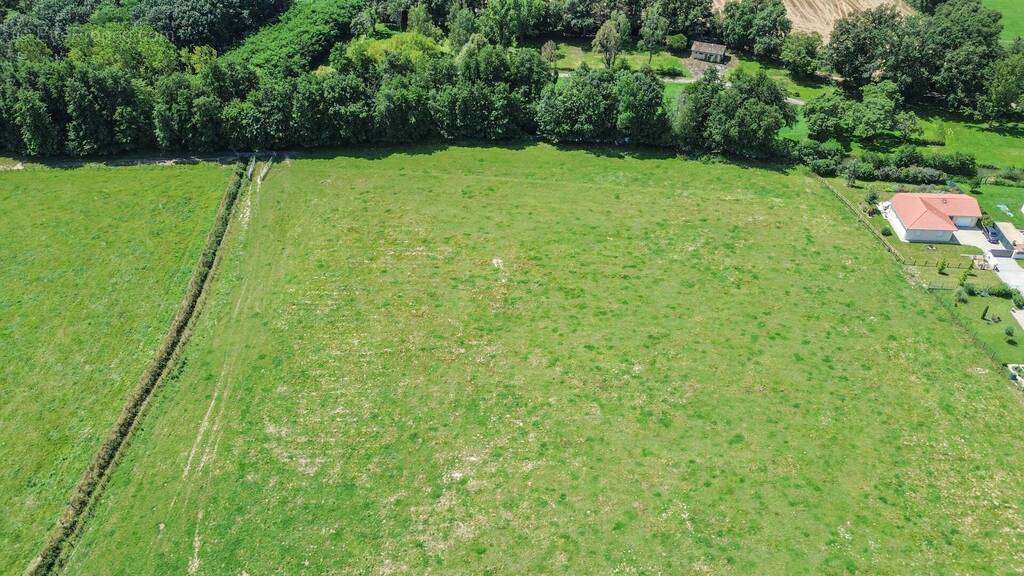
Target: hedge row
column 87, row 486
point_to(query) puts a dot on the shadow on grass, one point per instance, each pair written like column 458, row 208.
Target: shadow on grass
column 383, row 151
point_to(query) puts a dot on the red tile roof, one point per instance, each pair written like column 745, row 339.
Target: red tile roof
column 933, row 211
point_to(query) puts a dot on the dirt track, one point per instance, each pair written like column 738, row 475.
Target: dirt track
column 819, row 15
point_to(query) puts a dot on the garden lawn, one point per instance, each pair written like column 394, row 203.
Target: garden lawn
column 93, row 264
column 574, row 52
column 484, row 360
column 997, row 146
column 994, row 199
column 991, row 330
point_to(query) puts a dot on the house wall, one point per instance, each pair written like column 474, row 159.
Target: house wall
column 965, row 221
column 929, row 236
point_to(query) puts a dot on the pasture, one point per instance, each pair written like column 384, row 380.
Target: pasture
column 93, row 263
column 465, row 360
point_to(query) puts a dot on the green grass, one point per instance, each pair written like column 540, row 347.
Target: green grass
column 482, row 360
column 1013, row 17
column 989, row 331
column 994, row 198
column 1001, row 146
column 574, row 52
column 802, row 89
column 93, row 263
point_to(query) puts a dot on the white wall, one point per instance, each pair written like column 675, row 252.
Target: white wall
column 965, row 221
column 929, row 236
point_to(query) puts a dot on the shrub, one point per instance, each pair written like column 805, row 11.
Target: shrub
column 677, row 43
column 1018, row 299
column 871, row 198
column 1009, row 332
column 826, row 167
column 886, row 230
column 958, row 163
column 906, row 156
column 960, row 295
column 861, row 170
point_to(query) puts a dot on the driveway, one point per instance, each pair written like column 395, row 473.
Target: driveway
column 1008, row 269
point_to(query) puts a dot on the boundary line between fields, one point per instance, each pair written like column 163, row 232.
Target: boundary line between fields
column 87, row 488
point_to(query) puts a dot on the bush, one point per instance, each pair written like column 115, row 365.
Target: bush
column 670, row 70
column 958, row 163
column 1018, row 299
column 906, row 156
column 861, row 170
column 826, row 167
column 886, row 230
column 960, row 295
column 677, row 43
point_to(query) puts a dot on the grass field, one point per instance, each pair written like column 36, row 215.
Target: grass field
column 483, row 360
column 573, row 52
column 1002, row 146
column 1013, row 17
column 93, row 263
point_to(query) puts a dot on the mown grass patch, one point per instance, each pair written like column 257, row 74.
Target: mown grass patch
column 574, row 52
column 460, row 360
column 1002, row 203
column 93, row 264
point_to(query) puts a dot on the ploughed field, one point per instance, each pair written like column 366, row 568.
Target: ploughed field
column 820, row 15
column 481, row 360
column 93, row 263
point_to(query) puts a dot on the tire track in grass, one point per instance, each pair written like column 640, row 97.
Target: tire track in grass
column 61, row 538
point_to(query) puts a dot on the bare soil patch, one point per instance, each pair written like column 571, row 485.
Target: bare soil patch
column 820, row 15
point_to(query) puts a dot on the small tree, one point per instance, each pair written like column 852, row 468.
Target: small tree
column 549, row 52
column 653, row 31
column 461, row 25
column 942, row 267
column 608, row 43
column 421, row 22
column 963, row 278
column 1010, row 333
column 800, row 53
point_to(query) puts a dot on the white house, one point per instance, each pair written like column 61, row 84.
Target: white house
column 933, row 218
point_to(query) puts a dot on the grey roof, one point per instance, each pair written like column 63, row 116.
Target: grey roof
column 708, row 48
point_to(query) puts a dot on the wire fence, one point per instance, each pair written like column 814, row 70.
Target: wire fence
column 867, row 223
column 935, row 264
column 935, row 290
column 971, row 335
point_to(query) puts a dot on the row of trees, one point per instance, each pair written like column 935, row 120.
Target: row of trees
column 115, row 97
column 952, row 56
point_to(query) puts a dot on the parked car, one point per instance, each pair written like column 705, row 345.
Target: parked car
column 991, row 234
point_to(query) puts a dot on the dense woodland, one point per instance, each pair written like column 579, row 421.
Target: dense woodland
column 99, row 77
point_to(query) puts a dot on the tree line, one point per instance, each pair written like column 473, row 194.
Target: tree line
column 100, row 77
